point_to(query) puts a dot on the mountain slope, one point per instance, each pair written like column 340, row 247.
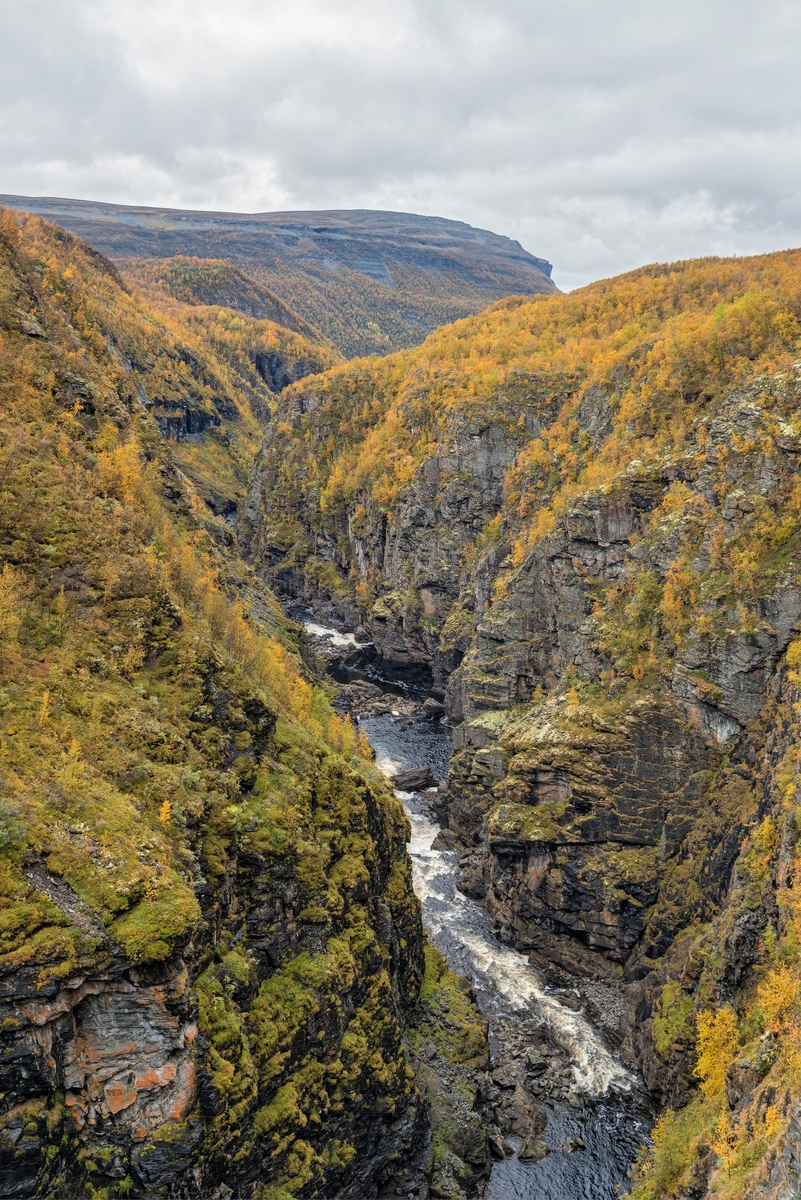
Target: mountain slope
column 372, row 282
column 209, row 945
column 582, row 513
column 202, row 281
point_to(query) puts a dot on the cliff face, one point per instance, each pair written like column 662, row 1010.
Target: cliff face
column 209, row 944
column 393, row 517
column 582, row 513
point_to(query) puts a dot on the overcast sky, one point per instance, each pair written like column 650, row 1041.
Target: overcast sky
column 603, row 135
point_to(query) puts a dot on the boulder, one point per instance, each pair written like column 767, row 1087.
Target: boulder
column 505, row 1075
column 530, row 1118
column 533, row 1150
column 536, row 1063
column 416, row 779
column 498, row 1146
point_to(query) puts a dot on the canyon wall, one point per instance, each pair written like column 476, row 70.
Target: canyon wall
column 582, row 515
column 211, row 955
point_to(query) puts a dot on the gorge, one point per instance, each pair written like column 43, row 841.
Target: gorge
column 539, row 1044
column 561, row 537
column 578, row 513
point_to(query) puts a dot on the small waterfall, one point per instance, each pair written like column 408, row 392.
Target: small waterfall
column 332, row 637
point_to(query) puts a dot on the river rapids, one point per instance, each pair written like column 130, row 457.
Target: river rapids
column 609, row 1111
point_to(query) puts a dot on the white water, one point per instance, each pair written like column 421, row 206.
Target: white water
column 450, row 916
column 452, row 919
column 610, row 1118
column 333, row 636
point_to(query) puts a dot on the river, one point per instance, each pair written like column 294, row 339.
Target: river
column 608, row 1109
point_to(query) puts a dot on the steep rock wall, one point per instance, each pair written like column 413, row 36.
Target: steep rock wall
column 209, row 943
column 620, row 645
column 616, row 762
column 425, row 567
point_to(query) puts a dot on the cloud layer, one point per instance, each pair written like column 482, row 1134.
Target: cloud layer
column 602, row 136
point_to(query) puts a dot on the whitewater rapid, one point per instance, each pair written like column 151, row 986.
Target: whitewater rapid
column 464, row 930
column 333, row 637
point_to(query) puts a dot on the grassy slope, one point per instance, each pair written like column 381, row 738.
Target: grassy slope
column 214, row 281
column 439, row 270
column 157, row 730
column 363, row 316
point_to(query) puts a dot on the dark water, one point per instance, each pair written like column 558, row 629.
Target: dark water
column 402, row 742
column 413, row 682
column 612, row 1130
column 612, row 1118
column 349, row 661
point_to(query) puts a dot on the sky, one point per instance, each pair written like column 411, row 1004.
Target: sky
column 602, row 135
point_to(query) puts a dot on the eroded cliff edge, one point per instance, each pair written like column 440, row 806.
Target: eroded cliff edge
column 582, row 513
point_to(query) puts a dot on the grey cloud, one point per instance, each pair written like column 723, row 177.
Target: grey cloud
column 602, row 135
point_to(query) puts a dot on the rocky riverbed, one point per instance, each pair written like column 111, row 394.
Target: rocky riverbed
column 564, row 1117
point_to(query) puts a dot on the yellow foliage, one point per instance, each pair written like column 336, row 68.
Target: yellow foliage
column 717, row 1046
column 363, row 747
column 660, row 330
column 771, row 1122
column 342, row 735
column 132, row 659
column 777, row 997
column 94, row 494
column 10, row 606
column 119, row 472
column 725, row 1141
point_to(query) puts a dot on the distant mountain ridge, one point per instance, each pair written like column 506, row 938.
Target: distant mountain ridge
column 370, row 281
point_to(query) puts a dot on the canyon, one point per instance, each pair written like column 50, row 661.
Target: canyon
column 583, row 526
column 550, row 553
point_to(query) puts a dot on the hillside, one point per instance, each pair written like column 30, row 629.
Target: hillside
column 582, row 514
column 210, row 282
column 579, row 518
column 210, row 951
column 371, row 282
